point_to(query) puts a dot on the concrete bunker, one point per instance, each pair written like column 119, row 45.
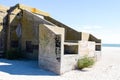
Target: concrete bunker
column 56, row 46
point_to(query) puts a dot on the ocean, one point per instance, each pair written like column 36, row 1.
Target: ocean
column 111, row 45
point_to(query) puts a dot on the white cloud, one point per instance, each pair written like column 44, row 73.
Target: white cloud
column 93, row 29
column 86, row 27
column 107, row 35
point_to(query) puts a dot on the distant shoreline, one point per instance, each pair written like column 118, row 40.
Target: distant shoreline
column 110, row 45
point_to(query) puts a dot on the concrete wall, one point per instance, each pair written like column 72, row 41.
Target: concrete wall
column 97, row 41
column 23, row 27
column 29, row 35
column 3, row 13
column 14, row 22
column 30, row 32
column 70, row 34
column 85, row 36
column 69, row 61
column 26, row 24
column 48, row 58
column 86, row 48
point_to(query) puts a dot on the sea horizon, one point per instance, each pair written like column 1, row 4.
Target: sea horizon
column 110, row 45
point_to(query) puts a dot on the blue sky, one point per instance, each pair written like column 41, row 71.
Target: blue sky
column 99, row 17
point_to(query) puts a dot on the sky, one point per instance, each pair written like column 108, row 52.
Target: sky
column 98, row 17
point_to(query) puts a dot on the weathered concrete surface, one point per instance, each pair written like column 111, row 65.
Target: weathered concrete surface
column 70, row 34
column 3, row 13
column 22, row 27
column 30, row 32
column 33, row 10
column 85, row 36
column 47, row 54
column 69, row 62
column 86, row 48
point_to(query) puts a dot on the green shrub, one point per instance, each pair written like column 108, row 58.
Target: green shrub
column 13, row 53
column 85, row 62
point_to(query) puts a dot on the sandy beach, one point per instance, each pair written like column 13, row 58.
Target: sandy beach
column 107, row 68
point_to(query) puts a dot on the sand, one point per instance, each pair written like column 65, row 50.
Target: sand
column 107, row 68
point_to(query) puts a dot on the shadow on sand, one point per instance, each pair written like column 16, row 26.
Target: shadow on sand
column 23, row 67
